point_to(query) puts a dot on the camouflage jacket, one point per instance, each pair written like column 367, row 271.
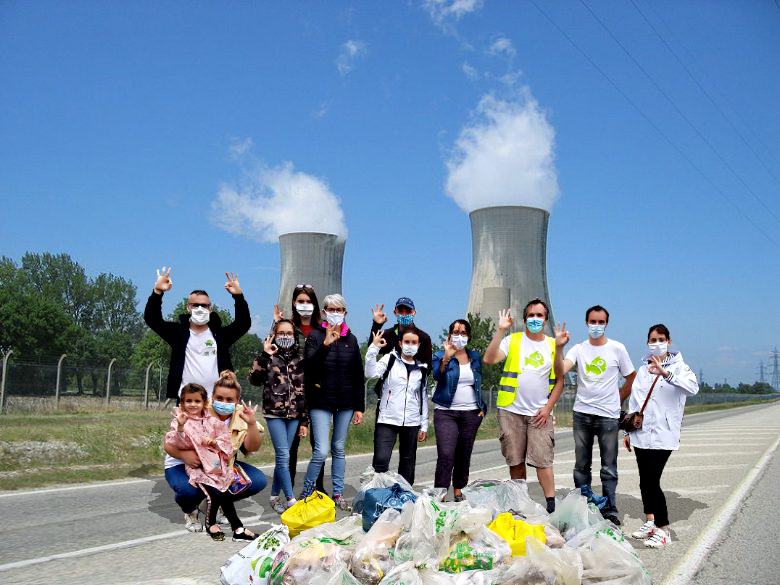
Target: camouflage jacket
column 282, row 382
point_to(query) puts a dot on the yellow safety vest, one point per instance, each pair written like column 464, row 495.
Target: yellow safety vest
column 513, row 368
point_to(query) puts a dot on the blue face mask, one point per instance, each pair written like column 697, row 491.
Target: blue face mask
column 596, row 331
column 405, row 320
column 223, row 407
column 534, row 324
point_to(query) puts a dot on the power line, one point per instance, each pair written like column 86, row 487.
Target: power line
column 679, row 111
column 705, row 92
column 654, row 125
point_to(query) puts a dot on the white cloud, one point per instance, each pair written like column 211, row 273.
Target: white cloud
column 502, row 46
column 445, row 13
column 321, row 111
column 470, row 71
column 239, row 147
column 505, row 156
column 270, row 201
column 349, row 54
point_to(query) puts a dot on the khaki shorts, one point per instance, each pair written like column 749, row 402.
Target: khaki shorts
column 522, row 442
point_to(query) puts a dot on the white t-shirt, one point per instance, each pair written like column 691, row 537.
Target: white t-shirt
column 465, row 396
column 533, row 386
column 597, row 376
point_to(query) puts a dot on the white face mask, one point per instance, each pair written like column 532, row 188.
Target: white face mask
column 199, row 315
column 410, row 350
column 460, row 341
column 304, row 309
column 334, row 318
column 658, row 349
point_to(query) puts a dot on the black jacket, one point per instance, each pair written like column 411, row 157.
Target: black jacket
column 178, row 334
column 334, row 374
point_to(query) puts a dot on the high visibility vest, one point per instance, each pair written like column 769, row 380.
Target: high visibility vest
column 513, row 368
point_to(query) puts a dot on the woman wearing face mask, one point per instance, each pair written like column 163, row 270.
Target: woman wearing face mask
column 458, row 407
column 306, row 318
column 279, row 369
column 403, row 406
column 668, row 381
column 334, row 391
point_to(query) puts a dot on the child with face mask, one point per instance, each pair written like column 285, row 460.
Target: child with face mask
column 403, row 405
column 279, row 370
column 193, row 427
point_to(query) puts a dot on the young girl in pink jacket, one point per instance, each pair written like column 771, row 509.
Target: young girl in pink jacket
column 193, row 427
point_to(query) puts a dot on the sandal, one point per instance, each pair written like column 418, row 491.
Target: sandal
column 242, row 535
column 217, row 536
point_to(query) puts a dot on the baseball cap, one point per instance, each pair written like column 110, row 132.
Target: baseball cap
column 405, row 301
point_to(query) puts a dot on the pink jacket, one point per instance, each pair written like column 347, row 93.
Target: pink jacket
column 216, row 469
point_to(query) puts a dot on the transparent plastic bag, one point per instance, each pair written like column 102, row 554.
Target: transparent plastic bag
column 427, row 530
column 347, row 531
column 408, row 574
column 370, row 479
column 252, row 564
column 564, row 565
column 574, row 514
column 607, row 557
column 373, row 557
column 480, row 549
column 502, row 496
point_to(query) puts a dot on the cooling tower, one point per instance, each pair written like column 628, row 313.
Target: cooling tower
column 310, row 258
column 509, row 253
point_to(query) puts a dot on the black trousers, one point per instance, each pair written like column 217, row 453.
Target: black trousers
column 294, row 461
column 384, row 442
column 651, row 463
column 456, row 431
column 215, row 499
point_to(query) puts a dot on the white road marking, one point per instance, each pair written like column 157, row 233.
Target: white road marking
column 108, row 484
column 686, row 569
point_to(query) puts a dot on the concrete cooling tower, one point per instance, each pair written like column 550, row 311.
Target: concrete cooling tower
column 509, row 252
column 310, row 258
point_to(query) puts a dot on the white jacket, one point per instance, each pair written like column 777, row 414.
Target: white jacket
column 399, row 404
column 664, row 411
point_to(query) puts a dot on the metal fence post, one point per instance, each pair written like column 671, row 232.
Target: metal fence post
column 6, row 355
column 57, row 387
column 146, row 385
column 108, row 381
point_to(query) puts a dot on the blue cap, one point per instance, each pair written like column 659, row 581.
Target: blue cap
column 405, row 301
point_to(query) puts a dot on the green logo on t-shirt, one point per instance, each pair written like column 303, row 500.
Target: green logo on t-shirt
column 535, row 359
column 597, row 366
column 209, row 342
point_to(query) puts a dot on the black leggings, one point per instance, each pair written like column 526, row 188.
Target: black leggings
column 215, row 499
column 651, row 463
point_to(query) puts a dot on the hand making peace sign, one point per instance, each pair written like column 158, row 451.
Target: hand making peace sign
column 561, row 335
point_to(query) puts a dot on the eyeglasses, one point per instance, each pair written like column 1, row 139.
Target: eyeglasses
column 335, row 310
column 303, row 286
column 203, row 305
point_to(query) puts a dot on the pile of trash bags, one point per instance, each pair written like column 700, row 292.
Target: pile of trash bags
column 497, row 536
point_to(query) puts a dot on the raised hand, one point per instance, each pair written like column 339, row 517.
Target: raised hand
column 207, row 441
column 379, row 315
column 656, row 367
column 269, row 346
column 505, row 320
column 278, row 316
column 248, row 413
column 232, row 285
column 332, row 333
column 180, row 416
column 378, row 339
column 561, row 335
column 449, row 348
column 163, row 282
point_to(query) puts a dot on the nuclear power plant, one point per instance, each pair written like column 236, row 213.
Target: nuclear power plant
column 509, row 254
column 310, row 258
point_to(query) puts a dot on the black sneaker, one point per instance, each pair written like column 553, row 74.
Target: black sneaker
column 612, row 518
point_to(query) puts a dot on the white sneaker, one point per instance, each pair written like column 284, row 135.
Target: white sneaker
column 291, row 503
column 277, row 505
column 660, row 538
column 646, row 531
column 193, row 524
column 221, row 518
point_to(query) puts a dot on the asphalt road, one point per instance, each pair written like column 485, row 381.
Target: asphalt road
column 131, row 531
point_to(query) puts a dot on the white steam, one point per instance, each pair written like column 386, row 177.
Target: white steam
column 505, row 156
column 271, row 201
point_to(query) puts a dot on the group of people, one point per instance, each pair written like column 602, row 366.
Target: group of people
column 312, row 374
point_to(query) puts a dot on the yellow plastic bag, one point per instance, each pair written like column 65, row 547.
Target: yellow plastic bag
column 310, row 512
column 515, row 532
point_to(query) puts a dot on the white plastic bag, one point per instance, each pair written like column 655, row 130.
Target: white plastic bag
column 373, row 557
column 252, row 564
column 564, row 565
column 574, row 514
column 427, row 530
column 408, row 574
column 607, row 557
column 370, row 479
column 503, row 496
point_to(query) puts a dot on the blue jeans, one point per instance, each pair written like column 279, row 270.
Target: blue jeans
column 282, row 431
column 188, row 497
column 587, row 426
column 320, row 422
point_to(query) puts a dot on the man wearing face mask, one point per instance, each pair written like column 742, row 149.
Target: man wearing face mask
column 529, row 389
column 599, row 361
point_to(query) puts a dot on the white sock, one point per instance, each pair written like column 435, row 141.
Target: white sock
column 273, row 498
column 290, row 503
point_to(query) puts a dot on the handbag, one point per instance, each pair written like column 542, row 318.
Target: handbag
column 633, row 421
column 240, row 481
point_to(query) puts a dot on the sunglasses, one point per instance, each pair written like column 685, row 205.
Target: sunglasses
column 303, row 286
column 203, row 305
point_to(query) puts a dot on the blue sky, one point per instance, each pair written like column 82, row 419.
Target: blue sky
column 122, row 123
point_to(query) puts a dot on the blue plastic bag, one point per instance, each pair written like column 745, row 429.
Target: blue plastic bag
column 378, row 500
column 599, row 501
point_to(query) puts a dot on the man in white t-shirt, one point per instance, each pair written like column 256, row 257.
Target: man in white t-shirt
column 599, row 362
column 529, row 389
